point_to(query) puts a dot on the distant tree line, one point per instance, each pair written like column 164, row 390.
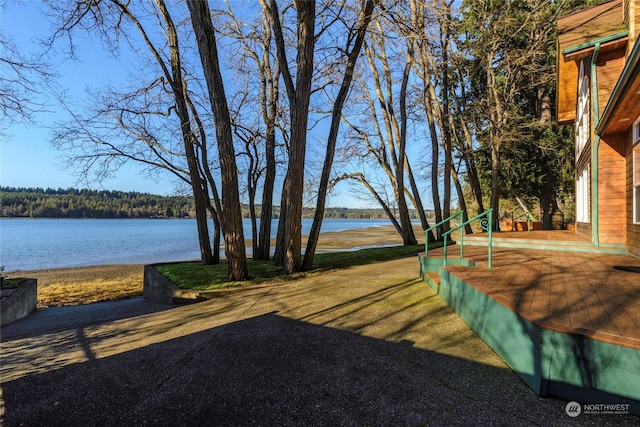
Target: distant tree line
column 85, row 203
column 410, row 103
column 73, row 203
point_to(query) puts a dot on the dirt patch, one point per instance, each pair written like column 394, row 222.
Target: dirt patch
column 83, row 285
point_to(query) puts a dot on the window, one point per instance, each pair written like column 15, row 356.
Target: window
column 583, row 129
column 636, row 171
column 582, row 196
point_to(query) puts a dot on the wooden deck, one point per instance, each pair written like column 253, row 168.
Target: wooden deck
column 575, row 292
column 565, row 316
column 557, row 235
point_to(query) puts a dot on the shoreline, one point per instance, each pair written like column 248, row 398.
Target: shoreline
column 331, row 241
column 87, row 284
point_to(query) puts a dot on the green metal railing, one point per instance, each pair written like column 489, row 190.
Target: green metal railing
column 510, row 214
column 426, row 237
column 489, row 226
column 527, row 214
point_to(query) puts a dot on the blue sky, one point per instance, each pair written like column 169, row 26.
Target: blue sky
column 26, row 157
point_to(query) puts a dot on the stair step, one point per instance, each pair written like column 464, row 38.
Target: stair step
column 434, row 276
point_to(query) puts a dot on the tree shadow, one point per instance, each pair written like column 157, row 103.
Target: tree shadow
column 564, row 322
column 54, row 319
column 273, row 370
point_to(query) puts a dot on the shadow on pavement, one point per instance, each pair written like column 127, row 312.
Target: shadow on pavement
column 53, row 319
column 273, row 370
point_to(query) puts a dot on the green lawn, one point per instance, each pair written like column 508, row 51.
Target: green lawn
column 193, row 275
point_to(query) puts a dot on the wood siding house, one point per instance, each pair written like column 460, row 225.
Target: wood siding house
column 561, row 307
column 598, row 80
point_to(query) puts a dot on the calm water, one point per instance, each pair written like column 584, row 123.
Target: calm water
column 33, row 244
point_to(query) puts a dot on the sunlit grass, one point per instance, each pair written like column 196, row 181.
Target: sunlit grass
column 195, row 276
column 83, row 285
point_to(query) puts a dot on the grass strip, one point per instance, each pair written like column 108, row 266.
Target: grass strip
column 195, row 276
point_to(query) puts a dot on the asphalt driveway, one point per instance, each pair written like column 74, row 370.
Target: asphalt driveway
column 367, row 346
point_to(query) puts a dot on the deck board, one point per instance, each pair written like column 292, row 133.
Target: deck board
column 579, row 291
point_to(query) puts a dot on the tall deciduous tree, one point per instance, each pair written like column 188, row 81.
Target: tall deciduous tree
column 354, row 41
column 382, row 126
column 231, row 213
column 257, row 117
column 298, row 94
column 114, row 20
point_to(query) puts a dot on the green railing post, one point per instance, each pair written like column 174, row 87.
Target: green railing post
column 489, row 215
column 526, row 215
column 444, row 252
column 490, row 256
column 426, row 237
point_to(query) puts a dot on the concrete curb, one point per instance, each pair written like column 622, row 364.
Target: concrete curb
column 18, row 303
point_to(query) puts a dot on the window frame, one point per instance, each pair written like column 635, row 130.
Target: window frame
column 582, row 123
column 583, row 197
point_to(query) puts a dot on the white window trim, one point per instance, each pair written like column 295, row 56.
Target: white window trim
column 582, row 124
column 583, row 197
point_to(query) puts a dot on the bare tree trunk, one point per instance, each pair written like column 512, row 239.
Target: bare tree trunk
column 426, row 69
column 465, row 142
column 278, row 256
column 548, row 202
column 262, row 251
column 417, row 202
column 214, row 208
column 498, row 119
column 435, row 161
column 252, row 214
column 472, row 171
column 215, row 246
column 391, row 153
column 231, row 213
column 543, row 105
column 408, row 236
column 461, row 200
column 269, row 115
column 197, row 183
column 446, row 113
column 495, row 183
column 299, row 97
column 336, row 115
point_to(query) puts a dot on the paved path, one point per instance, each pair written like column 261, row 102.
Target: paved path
column 370, row 345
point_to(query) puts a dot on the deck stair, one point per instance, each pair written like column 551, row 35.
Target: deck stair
column 547, row 245
column 430, row 268
column 432, row 278
column 555, row 347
